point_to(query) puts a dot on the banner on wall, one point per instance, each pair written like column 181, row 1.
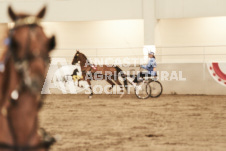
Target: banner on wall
column 218, row 71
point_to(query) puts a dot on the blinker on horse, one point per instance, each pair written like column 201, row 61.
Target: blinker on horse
column 25, row 65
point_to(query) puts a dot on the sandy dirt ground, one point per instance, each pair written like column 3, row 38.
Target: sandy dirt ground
column 108, row 123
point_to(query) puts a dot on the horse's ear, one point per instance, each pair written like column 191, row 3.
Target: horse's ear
column 11, row 13
column 52, row 43
column 41, row 14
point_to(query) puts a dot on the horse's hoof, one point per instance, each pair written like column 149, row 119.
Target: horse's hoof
column 90, row 97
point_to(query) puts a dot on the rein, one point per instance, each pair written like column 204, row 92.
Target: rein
column 21, row 65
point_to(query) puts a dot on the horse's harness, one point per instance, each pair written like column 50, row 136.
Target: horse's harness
column 91, row 67
column 88, row 70
column 21, row 66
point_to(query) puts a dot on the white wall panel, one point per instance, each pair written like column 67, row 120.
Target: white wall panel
column 191, row 32
column 149, row 21
column 191, row 40
column 96, row 34
column 78, row 10
column 190, row 8
column 19, row 6
column 169, row 8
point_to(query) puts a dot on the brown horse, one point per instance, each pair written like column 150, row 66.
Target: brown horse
column 92, row 72
column 25, row 65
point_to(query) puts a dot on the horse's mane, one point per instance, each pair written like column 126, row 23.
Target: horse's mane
column 84, row 55
column 85, row 58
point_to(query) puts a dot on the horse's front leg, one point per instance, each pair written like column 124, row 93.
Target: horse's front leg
column 78, row 83
column 90, row 87
column 111, row 83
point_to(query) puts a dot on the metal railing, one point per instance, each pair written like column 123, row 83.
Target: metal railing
column 164, row 54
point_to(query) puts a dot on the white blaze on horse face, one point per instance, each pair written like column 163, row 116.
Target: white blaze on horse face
column 15, row 95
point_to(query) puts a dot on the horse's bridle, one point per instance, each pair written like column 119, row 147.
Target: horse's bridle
column 21, row 65
column 87, row 64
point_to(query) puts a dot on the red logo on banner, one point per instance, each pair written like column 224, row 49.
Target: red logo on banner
column 218, row 72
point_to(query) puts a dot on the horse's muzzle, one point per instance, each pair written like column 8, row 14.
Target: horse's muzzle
column 34, row 84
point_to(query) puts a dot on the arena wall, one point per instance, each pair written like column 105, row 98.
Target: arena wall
column 89, row 10
column 191, row 32
column 189, row 8
column 96, row 34
column 119, row 29
column 78, row 10
column 196, row 40
column 183, row 78
column 195, row 78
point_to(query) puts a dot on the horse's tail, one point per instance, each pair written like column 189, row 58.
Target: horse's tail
column 124, row 76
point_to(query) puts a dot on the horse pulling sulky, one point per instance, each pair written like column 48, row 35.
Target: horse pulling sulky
column 100, row 72
column 24, row 66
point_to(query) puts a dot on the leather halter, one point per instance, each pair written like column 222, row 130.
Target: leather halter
column 30, row 20
column 22, row 64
